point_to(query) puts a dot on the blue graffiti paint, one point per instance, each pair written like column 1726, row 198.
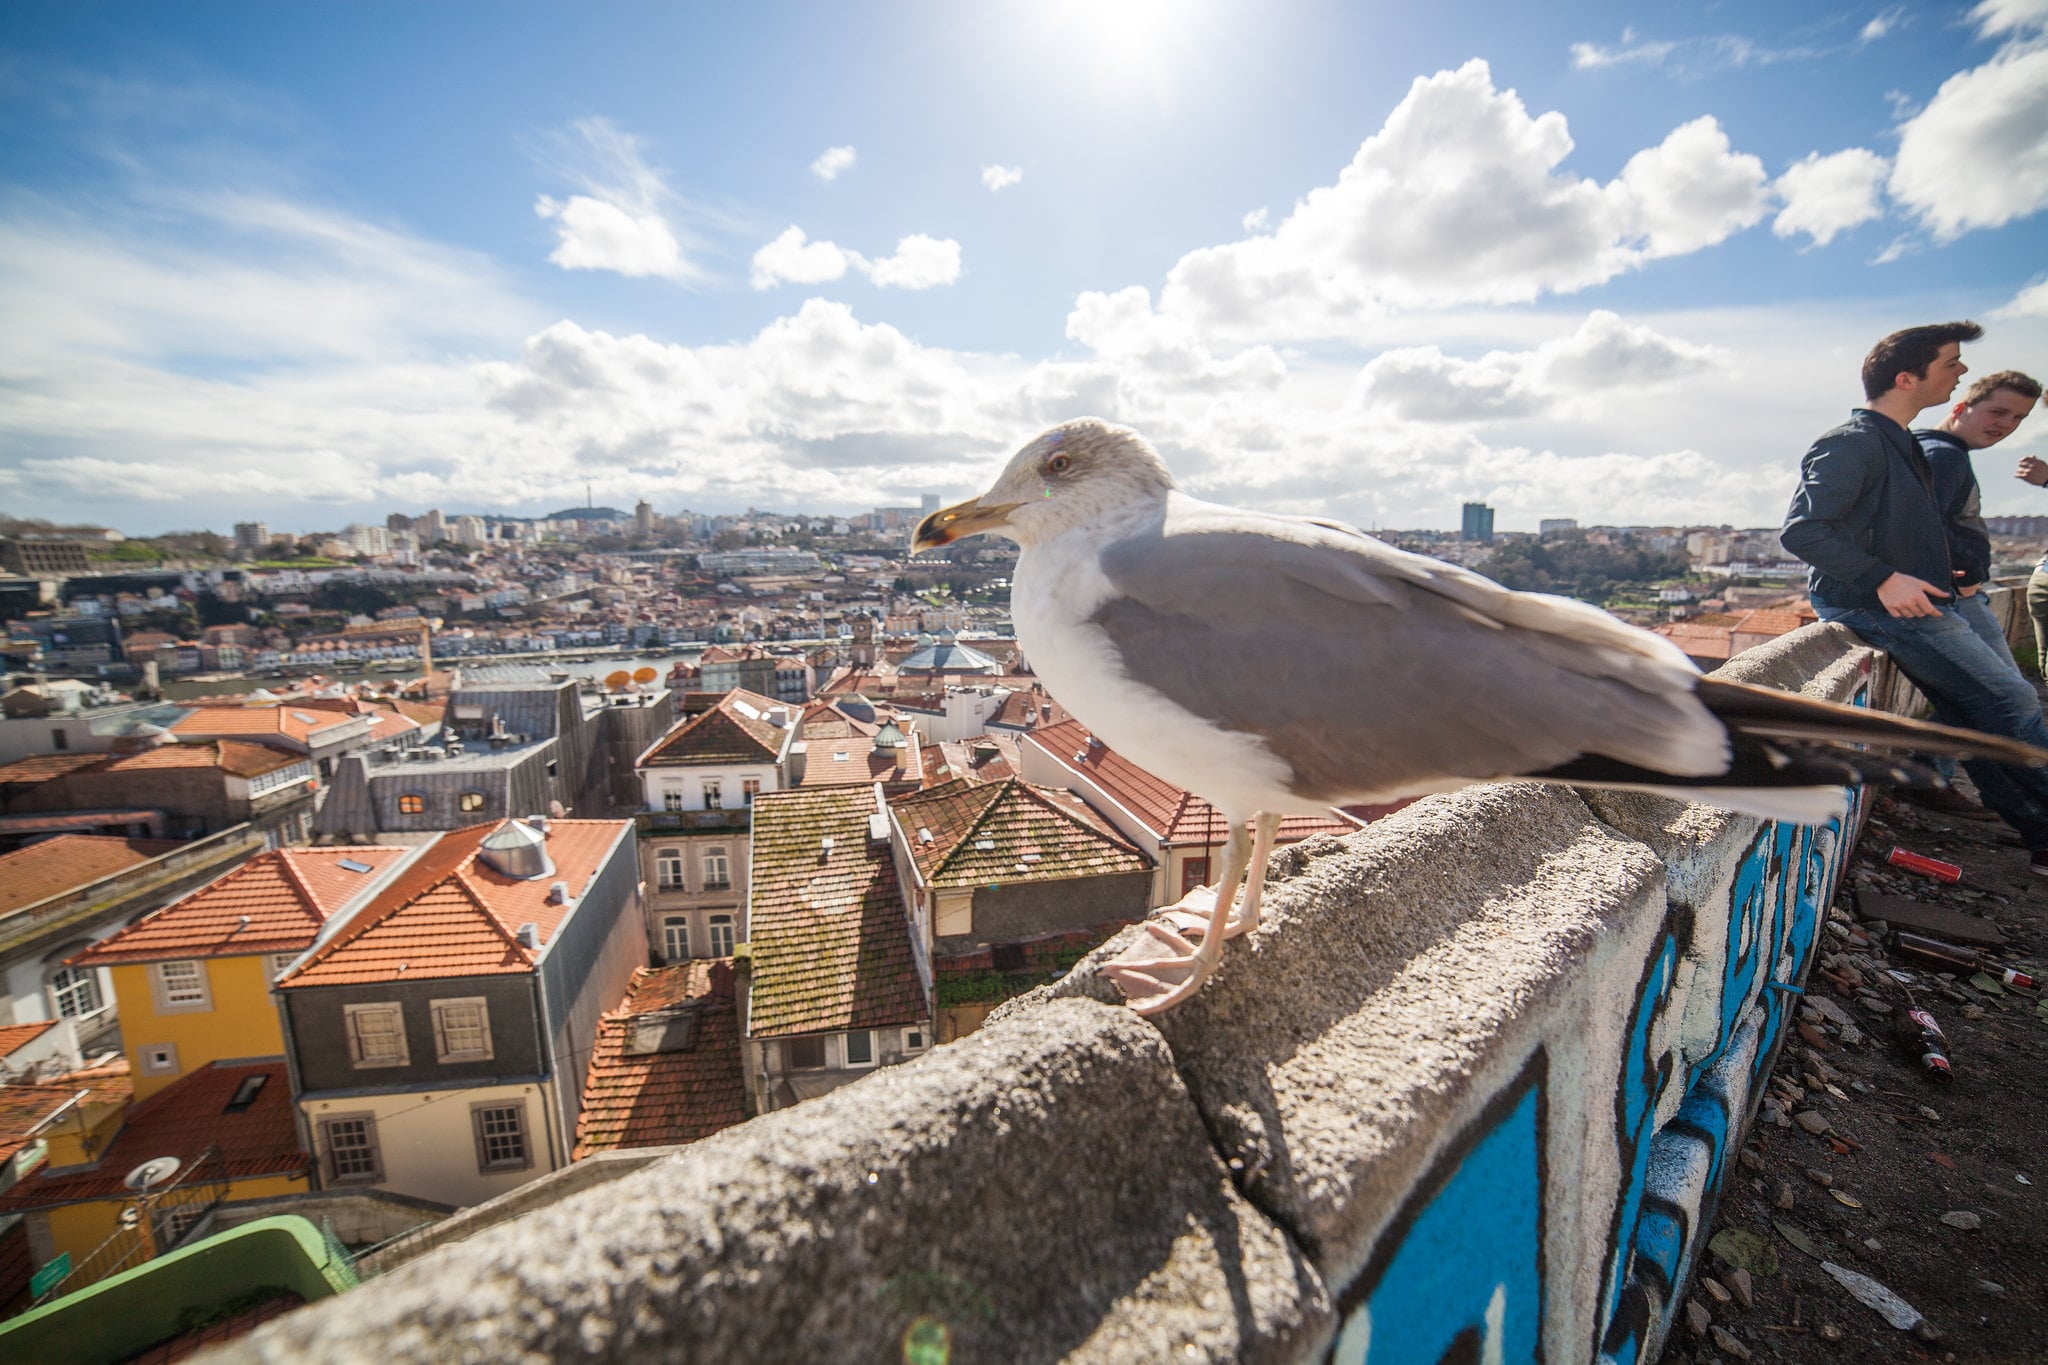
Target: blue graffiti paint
column 1643, row 1078
column 1469, row 1264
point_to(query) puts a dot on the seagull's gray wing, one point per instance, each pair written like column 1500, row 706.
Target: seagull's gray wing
column 1368, row 669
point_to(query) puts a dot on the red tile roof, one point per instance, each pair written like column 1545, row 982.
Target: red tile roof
column 736, row 730
column 1010, row 832
column 1173, row 814
column 828, row 933
column 449, row 913
column 22, row 1107
column 656, row 1098
column 14, row 1036
column 965, row 759
column 43, row 767
column 285, row 896
column 284, row 719
column 51, row 867
column 182, row 1120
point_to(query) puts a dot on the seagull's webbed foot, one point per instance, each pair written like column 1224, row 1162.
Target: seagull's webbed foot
column 1192, row 914
column 1164, row 966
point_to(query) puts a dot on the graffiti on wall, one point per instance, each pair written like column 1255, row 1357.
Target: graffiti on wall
column 1462, row 1271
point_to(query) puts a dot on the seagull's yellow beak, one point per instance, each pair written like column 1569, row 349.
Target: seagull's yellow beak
column 962, row 519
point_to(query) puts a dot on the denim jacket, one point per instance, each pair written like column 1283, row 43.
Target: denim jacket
column 1865, row 509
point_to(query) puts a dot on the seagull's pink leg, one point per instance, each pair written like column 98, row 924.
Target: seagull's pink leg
column 1191, row 914
column 1155, row 981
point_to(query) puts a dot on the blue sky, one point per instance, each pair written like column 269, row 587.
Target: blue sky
column 313, row 264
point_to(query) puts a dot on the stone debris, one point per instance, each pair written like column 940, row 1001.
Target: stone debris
column 1931, row 1115
column 1813, row 1121
column 1697, row 1318
column 1964, row 1219
column 1820, row 1178
column 1750, row 1159
column 1728, row 1342
column 1719, row 1292
column 1781, row 1194
column 1851, row 1036
column 1868, row 1292
column 1830, row 1332
column 1739, row 1285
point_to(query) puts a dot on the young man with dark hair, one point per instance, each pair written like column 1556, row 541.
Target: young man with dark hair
column 1989, row 412
column 1867, row 520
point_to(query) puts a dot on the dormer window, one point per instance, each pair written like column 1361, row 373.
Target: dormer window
column 412, row 803
column 470, row 801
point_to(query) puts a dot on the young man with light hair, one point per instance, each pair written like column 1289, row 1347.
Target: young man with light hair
column 1990, row 411
column 1868, row 522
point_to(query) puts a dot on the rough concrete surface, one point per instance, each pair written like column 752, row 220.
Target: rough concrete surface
column 1040, row 1191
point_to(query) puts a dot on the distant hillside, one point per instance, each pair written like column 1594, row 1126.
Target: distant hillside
column 587, row 514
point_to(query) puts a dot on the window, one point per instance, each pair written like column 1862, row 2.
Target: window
column 721, row 935
column 246, row 1093
column 59, row 741
column 675, row 937
column 376, row 1034
column 672, row 799
column 717, row 869
column 462, row 1030
column 1193, row 873
column 351, row 1143
column 411, row 803
column 75, row 991
column 554, row 767
column 806, row 1054
column 159, row 1059
column 181, row 987
column 668, row 869
column 714, row 798
column 860, row 1048
column 470, row 801
column 277, row 962
column 750, row 787
column 913, row 1040
column 500, row 1136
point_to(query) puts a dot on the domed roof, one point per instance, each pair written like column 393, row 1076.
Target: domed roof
column 517, row 849
column 948, row 655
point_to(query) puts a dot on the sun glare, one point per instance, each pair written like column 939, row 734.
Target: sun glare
column 1127, row 25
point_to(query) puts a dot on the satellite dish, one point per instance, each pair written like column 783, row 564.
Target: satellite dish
column 644, row 675
column 617, row 680
column 155, row 1171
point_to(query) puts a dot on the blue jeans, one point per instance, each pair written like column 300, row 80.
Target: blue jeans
column 1972, row 685
column 1976, row 613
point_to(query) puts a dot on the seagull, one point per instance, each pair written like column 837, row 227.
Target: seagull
column 1280, row 665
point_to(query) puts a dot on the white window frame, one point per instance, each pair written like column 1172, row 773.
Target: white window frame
column 724, row 922
column 70, row 982
column 714, row 793
column 668, row 870
column 672, row 798
column 371, row 1147
column 444, row 1011
column 178, row 991
column 351, row 1013
column 867, row 1036
column 675, row 937
column 471, row 800
column 479, row 1121
column 158, row 1059
column 917, row 1039
column 717, row 867
column 277, row 962
column 750, row 787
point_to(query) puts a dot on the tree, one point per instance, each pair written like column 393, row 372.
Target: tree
column 1578, row 567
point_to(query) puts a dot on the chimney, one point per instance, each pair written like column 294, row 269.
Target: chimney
column 529, row 933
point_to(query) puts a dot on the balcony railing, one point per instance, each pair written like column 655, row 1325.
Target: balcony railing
column 687, row 821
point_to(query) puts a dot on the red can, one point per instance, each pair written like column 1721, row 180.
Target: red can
column 1907, row 861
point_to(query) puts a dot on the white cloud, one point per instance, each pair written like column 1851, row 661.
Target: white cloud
column 1630, row 51
column 1689, row 58
column 1604, row 353
column 619, row 222
column 1824, row 196
column 833, row 162
column 1882, row 24
column 919, row 262
column 1977, row 155
column 2031, row 302
column 1001, row 177
column 1458, row 199
column 793, row 259
column 1255, row 221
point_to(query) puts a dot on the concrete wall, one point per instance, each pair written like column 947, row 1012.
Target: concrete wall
column 1469, row 1093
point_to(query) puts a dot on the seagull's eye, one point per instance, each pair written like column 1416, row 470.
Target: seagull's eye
column 1059, row 464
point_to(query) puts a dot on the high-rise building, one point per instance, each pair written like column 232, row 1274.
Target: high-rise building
column 469, row 531
column 643, row 519
column 1478, row 523
column 251, row 535
column 398, row 521
column 927, row 504
column 431, row 527
column 1552, row 527
column 367, row 540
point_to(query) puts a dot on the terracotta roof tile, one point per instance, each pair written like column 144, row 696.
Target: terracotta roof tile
column 984, row 758
column 829, row 937
column 736, row 730
column 51, row 867
column 22, row 1107
column 43, row 767
column 286, row 718
column 182, row 1120
column 233, row 756
column 14, row 1036
column 449, row 913
column 1010, row 832
column 1172, row 813
column 286, row 895
column 657, row 1098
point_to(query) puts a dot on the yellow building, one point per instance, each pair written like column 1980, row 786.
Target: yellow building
column 192, row 981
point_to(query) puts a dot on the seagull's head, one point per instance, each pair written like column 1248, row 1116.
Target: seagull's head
column 1064, row 477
